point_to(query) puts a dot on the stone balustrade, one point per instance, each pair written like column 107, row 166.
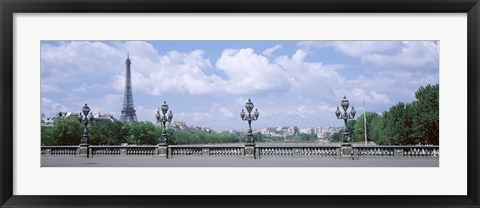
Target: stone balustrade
column 397, row 151
column 260, row 151
column 206, row 150
column 298, row 150
column 142, row 151
column 59, row 150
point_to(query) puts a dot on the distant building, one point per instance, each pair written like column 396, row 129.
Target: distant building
column 181, row 125
column 178, row 125
column 306, row 131
column 291, row 131
column 48, row 122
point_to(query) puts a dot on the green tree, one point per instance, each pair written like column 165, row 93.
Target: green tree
column 397, row 129
column 351, row 129
column 336, row 137
column 200, row 137
column 359, row 128
column 143, row 133
column 376, row 126
column 67, row 131
column 302, row 137
column 47, row 136
column 426, row 115
column 108, row 133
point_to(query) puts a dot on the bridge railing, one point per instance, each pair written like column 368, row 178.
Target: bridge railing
column 130, row 151
column 299, row 150
column 59, row 150
column 206, row 150
column 260, row 151
column 397, row 151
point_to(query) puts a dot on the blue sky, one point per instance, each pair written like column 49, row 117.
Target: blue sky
column 206, row 83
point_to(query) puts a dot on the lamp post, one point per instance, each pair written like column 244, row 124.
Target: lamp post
column 250, row 145
column 86, row 119
column 163, row 120
column 346, row 149
column 345, row 117
column 249, row 118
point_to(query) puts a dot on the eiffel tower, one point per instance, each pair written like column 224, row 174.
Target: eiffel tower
column 128, row 111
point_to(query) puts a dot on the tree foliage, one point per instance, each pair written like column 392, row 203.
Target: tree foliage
column 108, row 133
column 302, row 137
column 359, row 128
column 200, row 137
column 67, row 131
column 143, row 133
column 47, row 136
column 404, row 123
column 426, row 114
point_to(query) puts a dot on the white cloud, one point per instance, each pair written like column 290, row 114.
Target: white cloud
column 174, row 73
column 77, row 61
column 413, row 54
column 248, row 72
column 46, row 88
column 371, row 96
column 362, row 48
column 402, row 55
column 268, row 52
column 145, row 114
column 51, row 107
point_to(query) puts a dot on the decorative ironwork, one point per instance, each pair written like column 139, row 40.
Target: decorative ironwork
column 345, row 117
column 163, row 120
column 249, row 118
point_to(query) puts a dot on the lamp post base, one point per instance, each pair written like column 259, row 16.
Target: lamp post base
column 346, row 151
column 83, row 150
column 162, row 150
column 250, row 150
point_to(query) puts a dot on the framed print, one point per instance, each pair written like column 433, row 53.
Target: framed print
column 242, row 104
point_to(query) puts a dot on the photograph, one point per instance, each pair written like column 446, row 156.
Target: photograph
column 268, row 103
column 239, row 103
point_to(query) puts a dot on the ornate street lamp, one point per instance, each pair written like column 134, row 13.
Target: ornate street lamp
column 164, row 119
column 86, row 119
column 249, row 118
column 345, row 116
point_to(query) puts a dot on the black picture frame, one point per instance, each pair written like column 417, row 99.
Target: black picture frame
column 9, row 7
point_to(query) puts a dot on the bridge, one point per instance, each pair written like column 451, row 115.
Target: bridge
column 238, row 155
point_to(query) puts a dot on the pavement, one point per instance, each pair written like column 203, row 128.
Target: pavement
column 73, row 161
